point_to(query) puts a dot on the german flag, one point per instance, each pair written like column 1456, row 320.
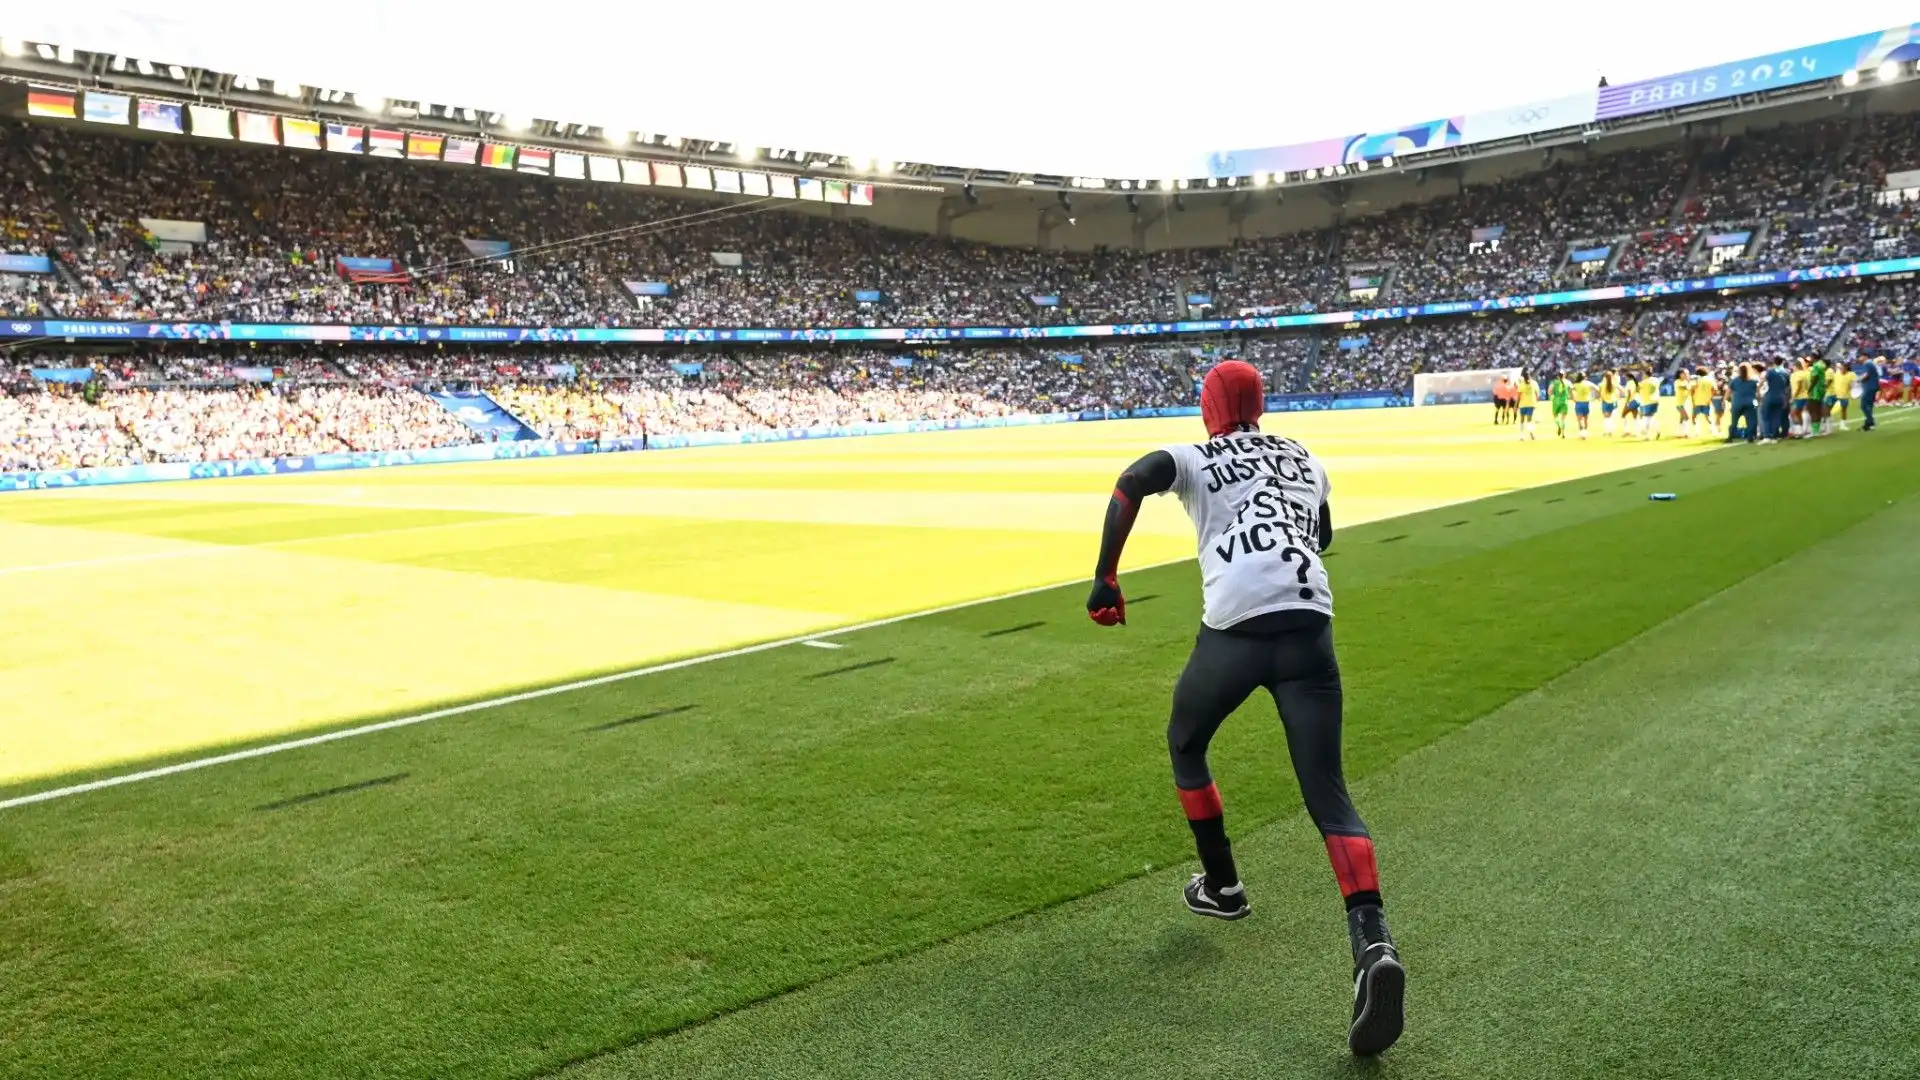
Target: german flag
column 46, row 101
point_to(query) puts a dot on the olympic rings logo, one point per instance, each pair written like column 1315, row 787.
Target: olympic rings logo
column 1528, row 116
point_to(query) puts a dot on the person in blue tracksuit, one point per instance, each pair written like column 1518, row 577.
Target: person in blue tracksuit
column 1744, row 389
column 1773, row 401
column 1868, row 372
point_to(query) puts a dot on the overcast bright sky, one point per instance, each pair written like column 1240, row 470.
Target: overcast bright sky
column 1073, row 86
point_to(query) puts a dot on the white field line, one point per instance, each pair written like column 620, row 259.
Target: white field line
column 230, row 549
column 514, row 699
column 822, row 644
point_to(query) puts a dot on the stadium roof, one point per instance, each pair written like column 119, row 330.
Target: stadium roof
column 1069, row 88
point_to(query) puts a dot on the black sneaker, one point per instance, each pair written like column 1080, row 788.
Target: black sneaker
column 1227, row 903
column 1379, row 1001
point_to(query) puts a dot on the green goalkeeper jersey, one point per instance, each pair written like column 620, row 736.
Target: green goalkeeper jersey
column 1818, row 389
column 1558, row 393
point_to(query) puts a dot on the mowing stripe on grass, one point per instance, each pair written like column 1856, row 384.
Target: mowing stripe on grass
column 344, row 789
column 862, row 666
column 654, row 715
column 1016, row 629
column 512, row 699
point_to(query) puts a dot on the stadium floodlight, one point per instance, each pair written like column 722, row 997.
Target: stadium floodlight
column 1362, row 166
column 1165, row 185
column 675, row 142
column 65, row 53
column 1387, row 162
column 1260, row 179
column 746, row 151
column 1183, row 185
column 1888, row 70
column 287, row 88
column 617, row 136
column 45, row 50
column 118, row 63
column 515, row 123
column 885, row 166
column 372, row 103
column 1850, row 78
column 1211, row 182
column 1313, row 174
column 177, row 73
column 1127, row 185
column 13, row 47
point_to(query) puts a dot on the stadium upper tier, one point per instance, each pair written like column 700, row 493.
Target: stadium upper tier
column 278, row 223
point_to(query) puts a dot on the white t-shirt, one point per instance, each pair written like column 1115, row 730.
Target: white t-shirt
column 1255, row 503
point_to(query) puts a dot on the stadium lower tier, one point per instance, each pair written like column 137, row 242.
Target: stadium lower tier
column 86, row 406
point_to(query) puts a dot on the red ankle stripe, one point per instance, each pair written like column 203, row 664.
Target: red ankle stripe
column 1201, row 803
column 1353, row 865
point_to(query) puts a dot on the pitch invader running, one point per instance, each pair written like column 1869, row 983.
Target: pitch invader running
column 1259, row 509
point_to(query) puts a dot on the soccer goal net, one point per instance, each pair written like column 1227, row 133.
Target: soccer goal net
column 1459, row 387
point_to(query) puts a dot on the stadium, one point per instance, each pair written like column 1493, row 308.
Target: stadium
column 502, row 585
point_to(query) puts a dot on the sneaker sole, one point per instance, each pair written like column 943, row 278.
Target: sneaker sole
column 1379, row 1025
column 1215, row 913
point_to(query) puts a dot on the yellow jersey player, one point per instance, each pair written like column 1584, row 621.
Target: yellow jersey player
column 1704, row 393
column 1839, row 395
column 1583, row 392
column 1683, row 401
column 1649, row 405
column 1609, row 392
column 1799, row 383
column 1529, row 397
column 1629, row 402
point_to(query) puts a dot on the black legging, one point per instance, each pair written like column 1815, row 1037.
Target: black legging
column 1298, row 668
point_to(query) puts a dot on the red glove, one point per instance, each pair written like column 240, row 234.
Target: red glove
column 1105, row 605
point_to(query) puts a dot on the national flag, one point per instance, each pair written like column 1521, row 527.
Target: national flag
column 46, row 101
column 422, row 147
column 258, row 128
column 860, row 194
column 569, row 166
column 211, row 123
column 497, row 156
column 834, row 190
column 346, row 138
column 461, row 151
column 103, row 108
column 384, row 143
column 300, row 134
column 535, row 160
column 161, row 116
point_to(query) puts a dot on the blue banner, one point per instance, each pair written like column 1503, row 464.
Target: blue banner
column 62, row 374
column 1706, row 316
column 649, row 288
column 1570, row 326
column 1752, row 76
column 481, row 413
column 253, row 374
column 1488, row 232
column 1199, row 299
column 1352, row 343
column 900, row 361
column 1728, row 239
column 866, row 296
column 1587, row 255
column 1046, row 301
column 25, row 264
column 686, row 367
column 372, row 266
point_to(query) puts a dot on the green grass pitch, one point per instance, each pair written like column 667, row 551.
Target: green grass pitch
column 1640, row 773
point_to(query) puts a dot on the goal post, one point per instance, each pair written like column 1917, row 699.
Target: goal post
column 1459, row 387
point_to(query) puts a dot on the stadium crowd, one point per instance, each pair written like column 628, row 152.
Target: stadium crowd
column 276, row 222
